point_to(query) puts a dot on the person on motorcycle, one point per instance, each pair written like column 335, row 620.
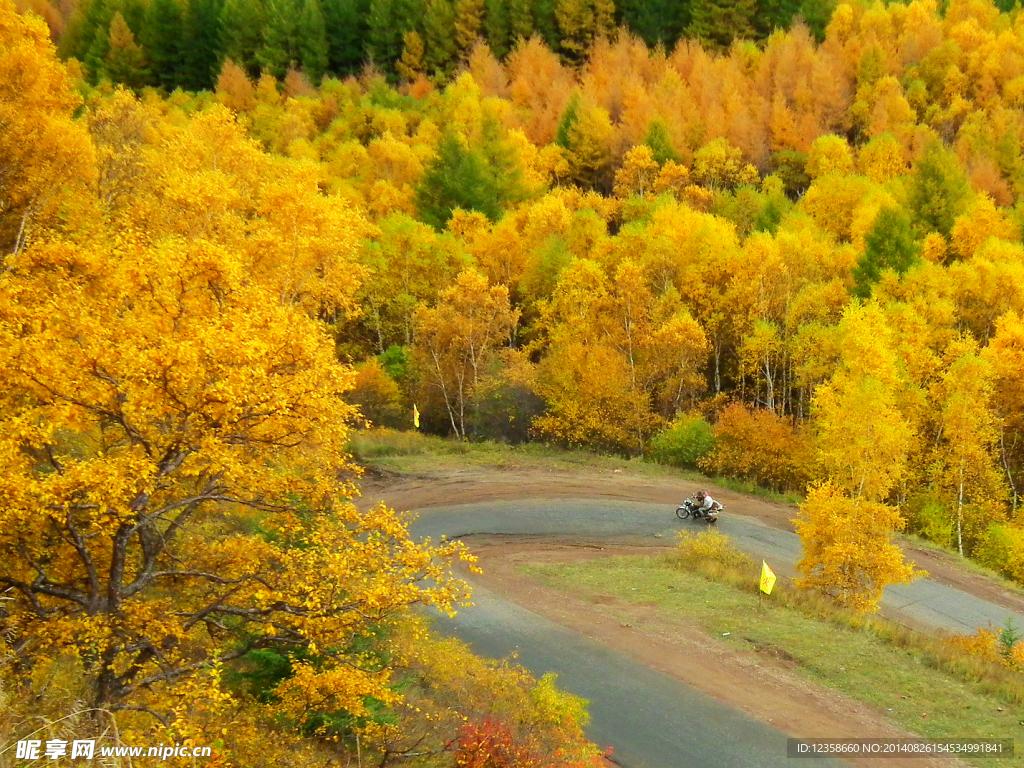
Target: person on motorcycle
column 706, row 504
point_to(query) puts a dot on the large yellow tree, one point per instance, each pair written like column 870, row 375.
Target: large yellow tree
column 175, row 485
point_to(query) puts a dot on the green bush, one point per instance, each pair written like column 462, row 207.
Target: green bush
column 687, row 440
column 929, row 517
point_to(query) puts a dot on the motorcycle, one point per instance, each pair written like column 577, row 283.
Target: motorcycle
column 691, row 508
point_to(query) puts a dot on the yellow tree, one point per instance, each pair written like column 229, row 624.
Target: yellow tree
column 863, row 443
column 43, row 152
column 638, row 173
column 863, row 437
column 1005, row 353
column 173, row 439
column 586, row 382
column 847, row 552
column 174, row 445
column 456, row 341
column 964, row 465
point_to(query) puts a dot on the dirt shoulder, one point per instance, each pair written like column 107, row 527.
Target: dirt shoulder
column 479, row 484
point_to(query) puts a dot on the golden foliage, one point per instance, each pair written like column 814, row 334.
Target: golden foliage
column 760, row 446
column 848, row 552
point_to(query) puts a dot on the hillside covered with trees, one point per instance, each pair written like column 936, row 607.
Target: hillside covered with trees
column 231, row 233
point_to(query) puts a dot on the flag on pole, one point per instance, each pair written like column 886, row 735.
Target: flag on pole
column 767, row 578
column 415, row 416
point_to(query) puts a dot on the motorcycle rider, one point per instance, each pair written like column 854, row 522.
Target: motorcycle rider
column 708, row 506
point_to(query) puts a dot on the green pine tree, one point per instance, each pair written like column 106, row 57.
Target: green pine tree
column 716, row 23
column 661, row 143
column 241, row 33
column 817, row 14
column 95, row 59
column 889, row 245
column 496, row 26
column 313, row 50
column 500, row 162
column 134, row 14
column 91, row 19
column 280, row 38
column 939, row 190
column 775, row 14
column 345, row 22
column 545, row 22
column 520, row 20
column 202, row 44
column 440, row 52
column 163, row 38
column 384, row 33
column 457, row 177
column 570, row 117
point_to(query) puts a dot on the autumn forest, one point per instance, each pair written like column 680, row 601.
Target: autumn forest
column 773, row 241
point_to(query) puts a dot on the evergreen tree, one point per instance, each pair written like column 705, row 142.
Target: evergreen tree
column 96, row 57
column 716, row 23
column 202, row 44
column 457, row 178
column 280, row 38
column 499, row 35
column 91, row 18
column 438, row 42
column 346, row 26
column 241, row 31
column 939, row 190
column 501, row 163
column 125, row 61
column 312, row 42
column 520, row 21
column 134, row 14
column 889, row 245
column 817, row 14
column 384, row 34
column 775, row 14
column 661, row 143
column 569, row 119
column 163, row 37
column 657, row 22
column 545, row 21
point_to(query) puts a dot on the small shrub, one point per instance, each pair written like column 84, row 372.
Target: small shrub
column 1000, row 645
column 930, row 518
column 685, row 442
column 712, row 554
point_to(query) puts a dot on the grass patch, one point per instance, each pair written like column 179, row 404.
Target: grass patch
column 416, row 453
column 710, row 584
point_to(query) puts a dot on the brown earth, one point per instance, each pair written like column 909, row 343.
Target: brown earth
column 761, row 681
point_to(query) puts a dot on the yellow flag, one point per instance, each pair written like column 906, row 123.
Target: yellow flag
column 767, row 578
column 415, row 416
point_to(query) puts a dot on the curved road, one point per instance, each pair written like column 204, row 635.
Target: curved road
column 650, row 719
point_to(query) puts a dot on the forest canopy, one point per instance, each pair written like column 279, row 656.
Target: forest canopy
column 786, row 250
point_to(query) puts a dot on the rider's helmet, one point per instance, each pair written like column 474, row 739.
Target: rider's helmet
column 700, row 496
